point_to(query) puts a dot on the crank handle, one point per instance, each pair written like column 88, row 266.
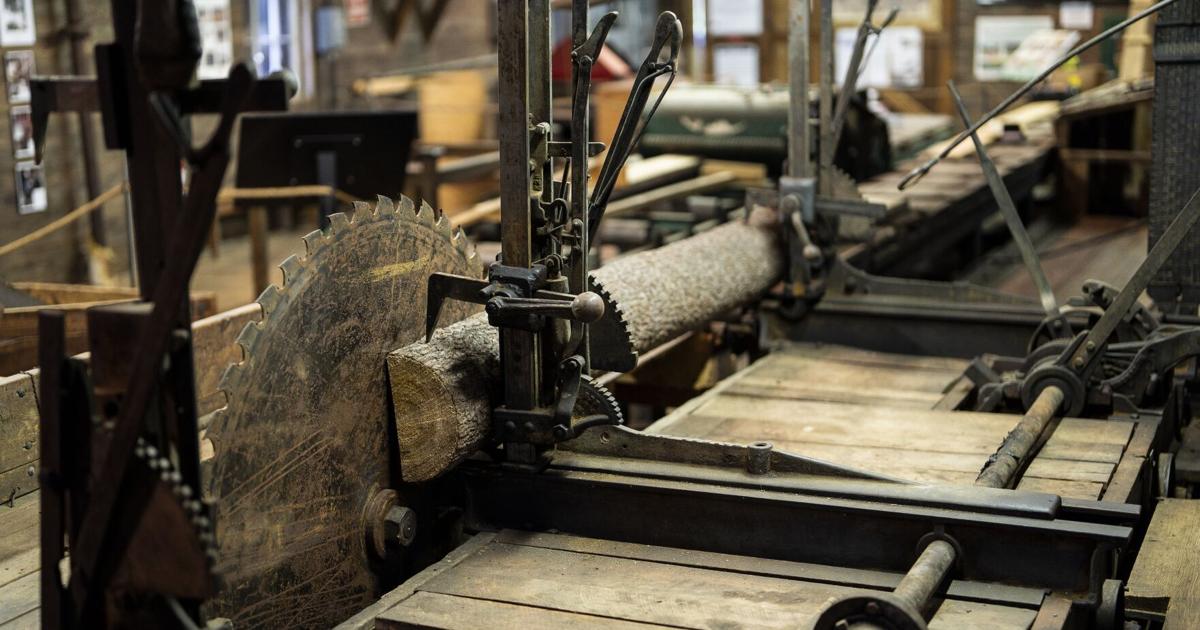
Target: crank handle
column 585, row 308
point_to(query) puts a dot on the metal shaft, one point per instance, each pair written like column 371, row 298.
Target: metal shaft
column 935, row 561
column 926, row 574
column 827, row 150
column 799, row 127
column 1003, row 465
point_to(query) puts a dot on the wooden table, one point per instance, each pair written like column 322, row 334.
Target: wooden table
column 1165, row 582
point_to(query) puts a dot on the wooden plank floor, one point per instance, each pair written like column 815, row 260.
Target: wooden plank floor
column 880, row 412
column 522, row 580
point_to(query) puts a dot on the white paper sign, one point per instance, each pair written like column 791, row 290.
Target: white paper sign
column 16, row 23
column 735, row 64
column 1076, row 15
column 997, row 36
column 896, row 61
column 734, row 18
column 216, row 39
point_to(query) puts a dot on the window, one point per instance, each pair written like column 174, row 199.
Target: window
column 283, row 39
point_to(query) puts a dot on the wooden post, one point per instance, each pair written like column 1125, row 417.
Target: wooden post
column 257, row 219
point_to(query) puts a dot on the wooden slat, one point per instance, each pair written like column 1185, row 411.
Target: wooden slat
column 651, row 588
column 19, row 559
column 1166, row 575
column 1127, row 480
column 434, row 610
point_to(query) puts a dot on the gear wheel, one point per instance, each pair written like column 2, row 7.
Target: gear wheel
column 303, row 441
column 595, row 399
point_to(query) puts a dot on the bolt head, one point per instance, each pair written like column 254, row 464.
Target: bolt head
column 402, row 524
column 587, row 307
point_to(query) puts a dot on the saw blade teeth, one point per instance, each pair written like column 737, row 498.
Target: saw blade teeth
column 230, row 378
column 425, row 215
column 338, row 221
column 291, row 267
column 269, row 300
column 406, row 209
column 459, row 239
column 363, row 212
column 384, row 206
column 247, row 338
column 443, row 227
column 313, row 241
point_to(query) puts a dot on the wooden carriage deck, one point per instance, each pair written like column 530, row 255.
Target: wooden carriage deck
column 894, row 414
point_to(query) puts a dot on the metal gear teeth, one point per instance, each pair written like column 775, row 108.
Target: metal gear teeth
column 338, row 222
column 196, row 512
column 612, row 334
column 601, row 397
column 363, row 212
column 291, row 267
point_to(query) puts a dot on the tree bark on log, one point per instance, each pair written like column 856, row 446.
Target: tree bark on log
column 443, row 391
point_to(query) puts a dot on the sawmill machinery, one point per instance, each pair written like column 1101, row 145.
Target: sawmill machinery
column 361, row 442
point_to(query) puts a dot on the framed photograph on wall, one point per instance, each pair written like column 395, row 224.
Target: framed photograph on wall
column 20, row 119
column 16, row 23
column 18, row 69
column 31, row 188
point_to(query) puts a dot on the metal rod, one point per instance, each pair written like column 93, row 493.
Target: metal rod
column 1003, row 465
column 850, row 83
column 1180, row 227
column 927, row 574
column 1008, row 210
column 799, row 126
column 919, row 172
column 824, row 173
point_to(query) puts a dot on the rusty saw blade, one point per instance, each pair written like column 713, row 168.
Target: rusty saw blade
column 302, row 443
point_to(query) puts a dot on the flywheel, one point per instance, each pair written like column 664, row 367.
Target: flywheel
column 302, row 444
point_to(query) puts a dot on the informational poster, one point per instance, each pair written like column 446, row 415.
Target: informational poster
column 1038, row 51
column 31, row 188
column 358, row 13
column 18, row 70
column 16, row 23
column 926, row 14
column 1077, row 15
column 894, row 59
column 20, row 119
column 997, row 36
column 216, row 38
column 735, row 64
column 735, row 18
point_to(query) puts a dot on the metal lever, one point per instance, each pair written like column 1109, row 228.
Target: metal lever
column 1009, row 210
column 849, row 85
column 585, row 308
column 668, row 31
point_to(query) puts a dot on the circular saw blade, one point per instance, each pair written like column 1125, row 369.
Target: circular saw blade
column 302, row 442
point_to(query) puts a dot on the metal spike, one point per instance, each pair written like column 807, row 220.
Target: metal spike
column 384, row 206
column 338, row 221
column 313, row 242
column 363, row 212
column 268, row 300
column 405, row 208
column 248, row 337
column 425, row 215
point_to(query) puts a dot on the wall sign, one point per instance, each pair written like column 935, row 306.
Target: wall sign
column 31, row 188
column 18, row 68
column 216, row 38
column 16, row 23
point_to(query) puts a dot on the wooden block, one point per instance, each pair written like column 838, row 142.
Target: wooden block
column 1166, row 576
column 18, row 436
